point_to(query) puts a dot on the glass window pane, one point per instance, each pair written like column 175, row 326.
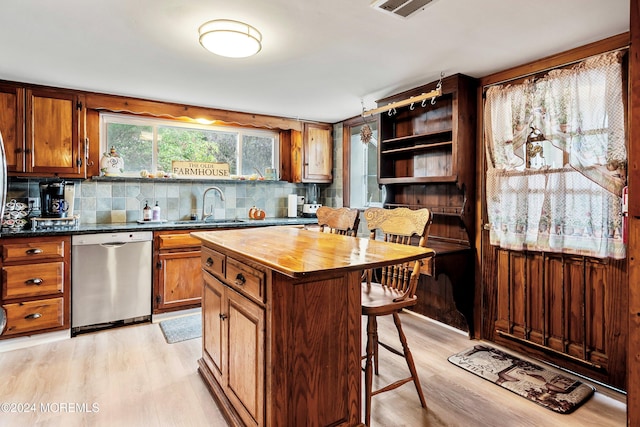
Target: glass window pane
column 257, row 154
column 133, row 142
column 364, row 190
column 197, row 145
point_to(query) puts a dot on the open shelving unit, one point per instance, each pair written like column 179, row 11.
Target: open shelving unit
column 426, row 158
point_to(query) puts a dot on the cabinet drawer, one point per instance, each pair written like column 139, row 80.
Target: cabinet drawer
column 32, row 251
column 213, row 262
column 32, row 279
column 245, row 279
column 34, row 315
column 175, row 241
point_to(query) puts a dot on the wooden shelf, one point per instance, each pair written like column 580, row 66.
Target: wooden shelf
column 409, row 138
column 418, row 147
column 418, row 179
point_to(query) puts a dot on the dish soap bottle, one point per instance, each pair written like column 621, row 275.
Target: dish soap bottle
column 146, row 212
column 155, row 212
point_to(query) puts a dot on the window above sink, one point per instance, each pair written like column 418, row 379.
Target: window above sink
column 151, row 144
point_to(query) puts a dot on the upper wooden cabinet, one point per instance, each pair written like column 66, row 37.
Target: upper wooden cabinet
column 311, row 154
column 43, row 131
column 317, row 150
column 12, row 125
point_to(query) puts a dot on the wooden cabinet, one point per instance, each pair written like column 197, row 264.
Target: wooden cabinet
column 43, row 131
column 54, row 135
column 12, row 125
column 233, row 332
column 233, row 347
column 312, row 154
column 426, row 158
column 35, row 284
column 177, row 281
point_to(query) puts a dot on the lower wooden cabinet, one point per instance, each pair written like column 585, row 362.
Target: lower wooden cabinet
column 36, row 278
column 233, row 344
column 177, row 280
column 34, row 316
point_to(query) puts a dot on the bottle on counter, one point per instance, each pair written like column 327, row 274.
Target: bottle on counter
column 146, row 212
column 155, row 212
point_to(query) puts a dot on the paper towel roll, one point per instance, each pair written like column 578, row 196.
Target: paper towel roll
column 292, row 206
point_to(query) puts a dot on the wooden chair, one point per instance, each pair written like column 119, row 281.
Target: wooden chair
column 396, row 290
column 343, row 221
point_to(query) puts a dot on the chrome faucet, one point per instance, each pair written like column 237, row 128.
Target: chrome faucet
column 206, row 215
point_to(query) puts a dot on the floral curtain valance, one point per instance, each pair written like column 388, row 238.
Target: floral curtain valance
column 556, row 156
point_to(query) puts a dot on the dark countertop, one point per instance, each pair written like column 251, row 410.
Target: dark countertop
column 157, row 226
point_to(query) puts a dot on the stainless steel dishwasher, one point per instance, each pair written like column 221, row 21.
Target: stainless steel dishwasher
column 110, row 279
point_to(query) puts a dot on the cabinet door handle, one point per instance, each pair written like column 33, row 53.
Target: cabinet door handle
column 209, row 262
column 240, row 280
column 223, row 316
column 35, row 281
column 33, row 316
column 34, row 251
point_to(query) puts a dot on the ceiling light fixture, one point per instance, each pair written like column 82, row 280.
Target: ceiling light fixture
column 233, row 39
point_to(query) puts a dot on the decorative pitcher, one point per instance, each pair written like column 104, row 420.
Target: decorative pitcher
column 111, row 163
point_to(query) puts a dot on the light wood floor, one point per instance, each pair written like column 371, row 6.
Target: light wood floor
column 134, row 378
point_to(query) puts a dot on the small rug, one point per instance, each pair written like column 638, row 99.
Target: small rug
column 182, row 328
column 533, row 382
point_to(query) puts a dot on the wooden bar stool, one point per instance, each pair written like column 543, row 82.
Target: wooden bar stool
column 343, row 221
column 395, row 291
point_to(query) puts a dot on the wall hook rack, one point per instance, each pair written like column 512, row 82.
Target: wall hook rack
column 411, row 100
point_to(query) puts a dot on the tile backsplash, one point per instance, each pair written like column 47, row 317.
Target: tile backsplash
column 104, row 200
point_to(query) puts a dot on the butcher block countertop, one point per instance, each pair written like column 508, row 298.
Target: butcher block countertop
column 296, row 252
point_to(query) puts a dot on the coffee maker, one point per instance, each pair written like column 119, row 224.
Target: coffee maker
column 311, row 201
column 52, row 200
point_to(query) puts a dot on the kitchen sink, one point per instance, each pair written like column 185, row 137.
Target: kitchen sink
column 210, row 221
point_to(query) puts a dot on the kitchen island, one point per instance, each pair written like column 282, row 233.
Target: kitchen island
column 281, row 323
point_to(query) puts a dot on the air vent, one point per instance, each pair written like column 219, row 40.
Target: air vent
column 400, row 8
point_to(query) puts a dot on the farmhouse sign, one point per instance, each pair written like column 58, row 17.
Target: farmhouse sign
column 200, row 170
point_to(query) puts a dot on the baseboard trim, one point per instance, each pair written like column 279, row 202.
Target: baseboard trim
column 10, row 344
column 157, row 318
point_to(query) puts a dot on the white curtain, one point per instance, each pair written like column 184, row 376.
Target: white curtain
column 556, row 160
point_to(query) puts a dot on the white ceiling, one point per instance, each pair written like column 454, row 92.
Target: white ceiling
column 320, row 59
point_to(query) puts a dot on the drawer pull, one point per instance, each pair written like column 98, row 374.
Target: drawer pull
column 33, row 316
column 223, row 316
column 35, row 281
column 34, row 251
column 209, row 262
column 240, row 280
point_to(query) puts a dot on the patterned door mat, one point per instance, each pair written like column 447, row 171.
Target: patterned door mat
column 554, row 391
column 182, row 328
